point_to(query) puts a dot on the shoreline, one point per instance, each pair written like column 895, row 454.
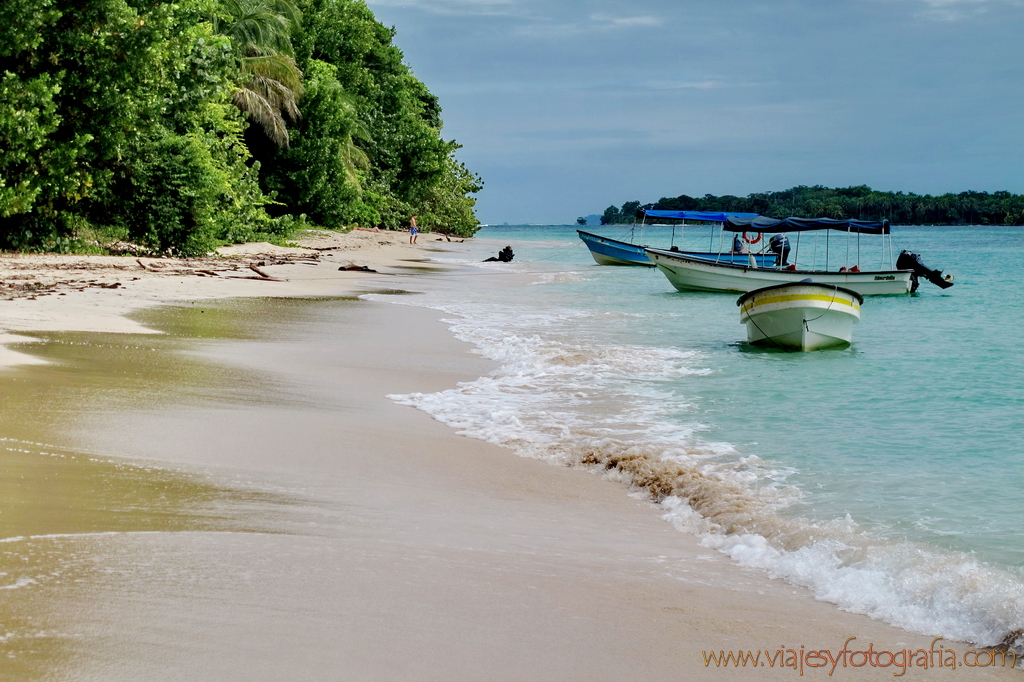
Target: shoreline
column 52, row 292
column 525, row 571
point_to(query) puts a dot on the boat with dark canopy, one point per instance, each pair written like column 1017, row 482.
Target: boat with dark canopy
column 814, row 248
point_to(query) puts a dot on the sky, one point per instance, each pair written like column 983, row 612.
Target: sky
column 565, row 107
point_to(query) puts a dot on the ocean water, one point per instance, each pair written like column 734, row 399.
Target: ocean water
column 886, row 477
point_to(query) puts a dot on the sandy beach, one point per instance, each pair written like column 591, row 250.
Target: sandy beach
column 208, row 483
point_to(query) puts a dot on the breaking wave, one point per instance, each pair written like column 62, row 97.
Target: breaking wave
column 617, row 411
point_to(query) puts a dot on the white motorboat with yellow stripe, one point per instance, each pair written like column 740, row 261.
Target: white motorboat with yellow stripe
column 801, row 316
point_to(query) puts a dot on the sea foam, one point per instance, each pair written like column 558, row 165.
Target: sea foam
column 612, row 409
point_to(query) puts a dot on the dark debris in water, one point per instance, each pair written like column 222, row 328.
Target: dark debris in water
column 393, row 292
column 1014, row 641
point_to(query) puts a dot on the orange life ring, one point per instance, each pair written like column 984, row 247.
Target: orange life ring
column 753, row 241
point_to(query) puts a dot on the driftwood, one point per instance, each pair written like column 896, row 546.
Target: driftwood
column 260, row 272
column 82, row 274
column 356, row 268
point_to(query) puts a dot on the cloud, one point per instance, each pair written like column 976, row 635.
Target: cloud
column 952, row 10
column 609, row 21
column 463, row 7
column 958, row 10
column 596, row 23
column 520, row 8
column 685, row 85
column 588, row 135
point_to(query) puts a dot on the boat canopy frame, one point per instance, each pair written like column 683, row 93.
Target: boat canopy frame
column 735, row 223
column 755, row 223
column 718, row 217
column 706, row 216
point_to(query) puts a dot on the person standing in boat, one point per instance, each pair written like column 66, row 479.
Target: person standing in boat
column 779, row 245
column 738, row 245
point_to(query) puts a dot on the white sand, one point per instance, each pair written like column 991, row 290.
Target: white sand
column 48, row 292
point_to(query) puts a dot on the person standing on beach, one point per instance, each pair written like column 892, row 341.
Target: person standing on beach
column 413, row 232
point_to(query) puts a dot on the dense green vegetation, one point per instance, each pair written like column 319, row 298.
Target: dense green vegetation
column 181, row 126
column 860, row 203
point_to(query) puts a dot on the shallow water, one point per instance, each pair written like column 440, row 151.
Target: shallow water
column 63, row 506
column 218, row 501
column 886, row 476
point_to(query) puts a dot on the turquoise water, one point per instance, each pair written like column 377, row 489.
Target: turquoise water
column 888, row 477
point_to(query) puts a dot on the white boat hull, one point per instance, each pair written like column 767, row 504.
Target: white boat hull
column 688, row 274
column 804, row 316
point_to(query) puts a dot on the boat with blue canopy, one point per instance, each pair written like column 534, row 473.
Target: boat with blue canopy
column 815, row 250
column 607, row 251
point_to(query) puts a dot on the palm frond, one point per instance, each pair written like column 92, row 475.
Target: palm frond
column 264, row 114
column 276, row 94
column 270, row 81
column 277, row 66
column 266, row 24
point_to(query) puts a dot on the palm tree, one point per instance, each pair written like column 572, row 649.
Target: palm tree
column 347, row 128
column 271, row 83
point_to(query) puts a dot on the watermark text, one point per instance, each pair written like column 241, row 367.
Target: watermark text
column 902, row 660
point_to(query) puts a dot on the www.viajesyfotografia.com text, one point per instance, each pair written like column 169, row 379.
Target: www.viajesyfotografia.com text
column 900, row 661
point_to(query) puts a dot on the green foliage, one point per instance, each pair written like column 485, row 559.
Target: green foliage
column 257, row 25
column 27, row 118
column 127, row 119
column 28, row 113
column 269, row 80
column 125, row 126
column 320, row 174
column 447, row 206
column 410, row 167
column 860, row 203
column 616, row 216
column 21, row 24
column 174, row 189
column 186, row 196
column 612, row 216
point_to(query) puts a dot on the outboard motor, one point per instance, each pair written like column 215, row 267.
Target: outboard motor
column 912, row 261
column 779, row 245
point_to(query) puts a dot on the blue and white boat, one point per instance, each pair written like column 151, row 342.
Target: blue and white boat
column 607, row 251
column 613, row 252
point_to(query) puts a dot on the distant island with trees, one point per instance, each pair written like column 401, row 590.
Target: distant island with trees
column 860, row 203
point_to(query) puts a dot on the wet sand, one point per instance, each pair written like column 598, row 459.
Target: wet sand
column 235, row 499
